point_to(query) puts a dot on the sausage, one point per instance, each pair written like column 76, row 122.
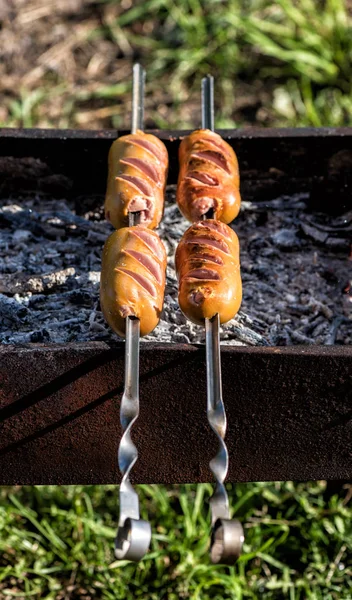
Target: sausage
column 208, row 271
column 208, row 177
column 137, row 171
column 133, row 278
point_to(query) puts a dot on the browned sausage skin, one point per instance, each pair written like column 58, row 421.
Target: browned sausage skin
column 208, row 177
column 208, row 271
column 133, row 278
column 137, row 172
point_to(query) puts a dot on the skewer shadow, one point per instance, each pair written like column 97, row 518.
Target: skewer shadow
column 71, row 376
column 57, row 384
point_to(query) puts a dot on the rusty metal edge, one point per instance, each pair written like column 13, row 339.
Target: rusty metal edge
column 77, row 347
column 289, row 413
column 175, row 134
column 272, row 161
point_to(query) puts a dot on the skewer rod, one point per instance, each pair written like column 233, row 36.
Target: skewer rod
column 138, row 98
column 133, row 534
column 214, row 384
column 215, row 405
column 208, row 102
column 131, row 391
column 227, row 534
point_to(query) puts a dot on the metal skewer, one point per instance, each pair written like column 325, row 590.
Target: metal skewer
column 133, row 534
column 208, row 102
column 227, row 534
column 138, row 79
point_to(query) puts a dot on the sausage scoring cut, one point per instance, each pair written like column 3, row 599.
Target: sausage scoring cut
column 208, row 177
column 133, row 278
column 137, row 171
column 208, row 271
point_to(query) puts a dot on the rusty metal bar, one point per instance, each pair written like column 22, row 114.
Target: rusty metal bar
column 291, row 418
column 272, row 161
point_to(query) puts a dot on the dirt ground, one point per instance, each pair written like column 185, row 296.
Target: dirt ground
column 67, row 64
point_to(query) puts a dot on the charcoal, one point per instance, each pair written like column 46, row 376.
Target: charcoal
column 21, row 236
column 329, row 276
column 347, row 300
column 298, row 337
column 11, row 311
column 286, row 239
column 22, row 283
column 296, row 287
column 314, row 233
column 335, row 233
column 331, row 336
column 40, row 337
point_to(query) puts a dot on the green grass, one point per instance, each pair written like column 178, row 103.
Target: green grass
column 57, row 542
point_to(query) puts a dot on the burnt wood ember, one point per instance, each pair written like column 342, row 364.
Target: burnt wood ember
column 335, row 233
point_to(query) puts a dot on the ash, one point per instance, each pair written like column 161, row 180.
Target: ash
column 296, row 272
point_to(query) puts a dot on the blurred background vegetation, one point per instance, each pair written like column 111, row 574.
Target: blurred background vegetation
column 68, row 64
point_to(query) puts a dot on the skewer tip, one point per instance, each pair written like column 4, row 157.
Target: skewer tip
column 138, row 81
column 208, row 102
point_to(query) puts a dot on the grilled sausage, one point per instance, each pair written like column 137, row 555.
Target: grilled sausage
column 133, row 278
column 138, row 165
column 208, row 271
column 208, row 177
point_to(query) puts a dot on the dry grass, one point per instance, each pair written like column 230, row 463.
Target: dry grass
column 51, row 64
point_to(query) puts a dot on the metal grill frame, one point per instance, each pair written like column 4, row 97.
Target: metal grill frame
column 289, row 409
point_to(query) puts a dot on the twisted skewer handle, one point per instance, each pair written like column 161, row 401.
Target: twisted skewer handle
column 133, row 534
column 227, row 535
